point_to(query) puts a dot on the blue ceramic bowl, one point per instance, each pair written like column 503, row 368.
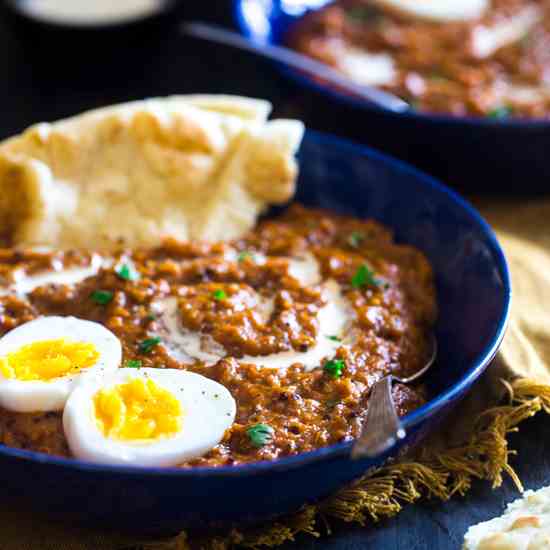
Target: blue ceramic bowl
column 471, row 153
column 473, row 293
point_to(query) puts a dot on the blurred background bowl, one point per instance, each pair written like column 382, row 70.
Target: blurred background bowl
column 475, row 154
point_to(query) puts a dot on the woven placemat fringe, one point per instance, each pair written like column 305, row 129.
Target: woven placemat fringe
column 382, row 493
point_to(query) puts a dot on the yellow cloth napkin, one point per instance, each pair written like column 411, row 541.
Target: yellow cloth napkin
column 524, row 231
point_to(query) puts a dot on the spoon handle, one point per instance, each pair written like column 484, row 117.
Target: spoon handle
column 296, row 60
column 382, row 427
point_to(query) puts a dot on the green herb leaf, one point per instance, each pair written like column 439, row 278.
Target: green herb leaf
column 219, row 295
column 364, row 276
column 260, row 434
column 363, row 14
column 151, row 316
column 500, row 112
column 334, row 338
column 355, row 239
column 127, row 272
column 436, row 74
column 244, row 255
column 133, row 364
column 101, row 297
column 146, row 346
column 335, row 367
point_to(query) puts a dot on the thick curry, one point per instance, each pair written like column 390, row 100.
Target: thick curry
column 497, row 65
column 254, row 297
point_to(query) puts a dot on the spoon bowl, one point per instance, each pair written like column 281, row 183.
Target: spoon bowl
column 383, row 428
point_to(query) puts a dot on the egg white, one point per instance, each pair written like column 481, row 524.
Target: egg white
column 486, row 41
column 438, row 10
column 51, row 395
column 367, row 68
column 208, row 410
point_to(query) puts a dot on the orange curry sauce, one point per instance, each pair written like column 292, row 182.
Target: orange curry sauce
column 393, row 311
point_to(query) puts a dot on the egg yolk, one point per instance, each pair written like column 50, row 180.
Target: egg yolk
column 48, row 359
column 137, row 409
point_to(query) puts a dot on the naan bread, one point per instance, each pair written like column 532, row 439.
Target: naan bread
column 524, row 526
column 188, row 167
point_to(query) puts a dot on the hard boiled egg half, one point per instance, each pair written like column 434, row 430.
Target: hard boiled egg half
column 146, row 417
column 437, row 10
column 41, row 361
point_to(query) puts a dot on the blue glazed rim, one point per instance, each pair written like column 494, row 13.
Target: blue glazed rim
column 427, row 410
column 308, row 82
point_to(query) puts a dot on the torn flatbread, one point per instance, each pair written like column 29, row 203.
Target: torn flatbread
column 188, row 167
column 525, row 525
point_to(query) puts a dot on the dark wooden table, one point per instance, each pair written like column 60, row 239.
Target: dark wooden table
column 46, row 76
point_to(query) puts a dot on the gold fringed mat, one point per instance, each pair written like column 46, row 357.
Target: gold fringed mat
column 383, row 493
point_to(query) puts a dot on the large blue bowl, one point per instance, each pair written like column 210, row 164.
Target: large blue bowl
column 473, row 293
column 471, row 153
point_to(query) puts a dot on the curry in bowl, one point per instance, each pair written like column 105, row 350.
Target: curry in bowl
column 479, row 57
column 297, row 320
column 197, row 352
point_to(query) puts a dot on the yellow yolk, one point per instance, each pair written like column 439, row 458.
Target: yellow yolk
column 48, row 359
column 137, row 410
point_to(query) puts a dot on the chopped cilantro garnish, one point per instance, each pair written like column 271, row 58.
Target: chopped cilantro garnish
column 219, row 295
column 245, row 254
column 500, row 112
column 133, row 364
column 334, row 338
column 436, row 74
column 355, row 239
column 127, row 272
column 151, row 316
column 335, row 367
column 260, row 434
column 364, row 276
column 101, row 297
column 147, row 345
column 363, row 13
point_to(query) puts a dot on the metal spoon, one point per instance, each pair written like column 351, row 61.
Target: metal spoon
column 383, row 428
column 297, row 61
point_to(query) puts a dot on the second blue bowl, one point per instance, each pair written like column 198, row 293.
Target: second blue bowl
column 475, row 154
